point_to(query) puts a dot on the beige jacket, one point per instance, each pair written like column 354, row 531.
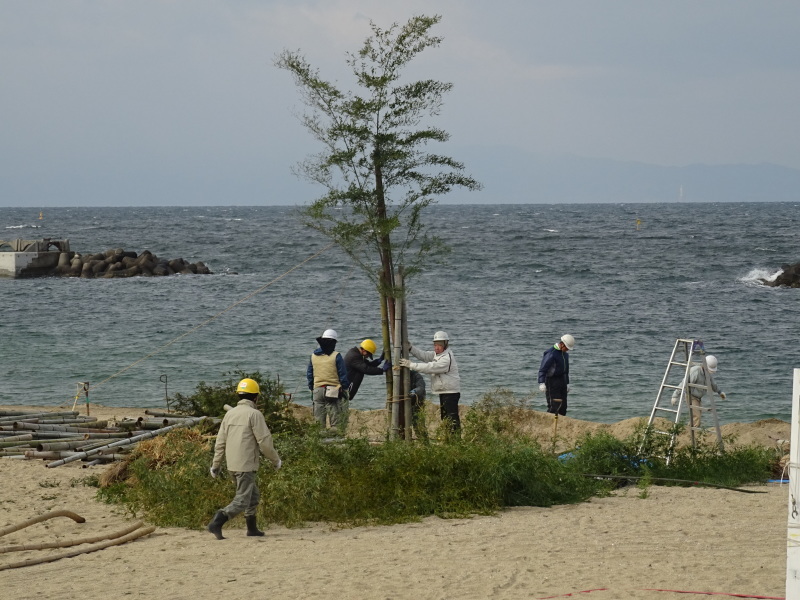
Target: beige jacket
column 243, row 435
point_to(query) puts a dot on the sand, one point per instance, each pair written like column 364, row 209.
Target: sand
column 625, row 546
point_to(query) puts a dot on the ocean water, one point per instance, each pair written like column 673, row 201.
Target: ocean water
column 518, row 277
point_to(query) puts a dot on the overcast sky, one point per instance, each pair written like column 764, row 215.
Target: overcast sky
column 178, row 102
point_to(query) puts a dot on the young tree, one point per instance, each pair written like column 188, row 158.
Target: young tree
column 375, row 163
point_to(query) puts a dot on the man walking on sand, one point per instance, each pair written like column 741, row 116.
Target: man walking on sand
column 243, row 436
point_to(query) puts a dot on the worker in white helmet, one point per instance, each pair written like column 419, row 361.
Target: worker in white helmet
column 445, row 381
column 327, row 380
column 699, row 384
column 554, row 374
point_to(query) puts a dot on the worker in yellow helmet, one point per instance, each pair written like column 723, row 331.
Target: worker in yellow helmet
column 359, row 362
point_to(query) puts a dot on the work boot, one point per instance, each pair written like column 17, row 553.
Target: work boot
column 216, row 524
column 251, row 526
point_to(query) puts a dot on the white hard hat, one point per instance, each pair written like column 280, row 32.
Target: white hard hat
column 441, row 336
column 331, row 334
column 568, row 340
column 711, row 363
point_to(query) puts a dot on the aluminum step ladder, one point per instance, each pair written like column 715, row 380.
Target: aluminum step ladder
column 685, row 354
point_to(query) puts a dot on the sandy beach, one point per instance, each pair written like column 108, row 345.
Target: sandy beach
column 676, row 539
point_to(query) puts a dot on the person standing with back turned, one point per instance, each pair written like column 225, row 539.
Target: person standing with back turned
column 445, row 381
column 554, row 375
column 243, row 435
column 327, row 380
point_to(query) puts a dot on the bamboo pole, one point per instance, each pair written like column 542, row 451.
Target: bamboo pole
column 64, row 454
column 80, row 422
column 40, row 518
column 405, row 381
column 68, row 543
column 12, row 439
column 66, row 445
column 115, row 542
column 12, row 413
column 164, row 413
column 793, row 518
column 131, row 440
column 12, row 417
column 396, row 354
column 38, row 443
column 56, row 435
column 38, row 427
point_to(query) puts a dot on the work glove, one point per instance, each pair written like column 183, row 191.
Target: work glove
column 542, row 387
column 214, row 472
column 722, row 395
column 569, row 387
column 386, row 366
column 404, row 362
column 674, row 401
column 279, row 465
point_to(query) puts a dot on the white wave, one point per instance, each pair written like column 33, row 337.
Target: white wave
column 759, row 275
column 552, row 230
column 766, row 249
column 23, row 226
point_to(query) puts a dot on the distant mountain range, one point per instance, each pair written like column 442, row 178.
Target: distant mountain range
column 512, row 177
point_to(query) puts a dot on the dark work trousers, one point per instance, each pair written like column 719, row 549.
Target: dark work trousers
column 449, row 410
column 556, row 395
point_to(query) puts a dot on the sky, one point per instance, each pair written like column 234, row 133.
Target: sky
column 178, row 102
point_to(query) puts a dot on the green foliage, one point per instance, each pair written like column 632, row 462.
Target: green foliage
column 168, row 482
column 209, row 400
column 497, row 413
column 603, row 454
column 375, row 160
column 352, row 482
column 736, row 466
column 355, row 481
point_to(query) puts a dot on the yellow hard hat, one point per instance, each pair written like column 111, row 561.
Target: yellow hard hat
column 248, row 386
column 369, row 346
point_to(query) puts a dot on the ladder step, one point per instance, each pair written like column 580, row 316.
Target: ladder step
column 674, row 387
column 671, row 410
column 675, row 362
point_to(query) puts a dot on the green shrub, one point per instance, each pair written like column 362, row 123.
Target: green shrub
column 356, row 481
column 603, row 454
column 209, row 400
column 351, row 482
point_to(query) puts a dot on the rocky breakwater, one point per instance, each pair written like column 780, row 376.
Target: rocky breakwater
column 120, row 263
column 789, row 277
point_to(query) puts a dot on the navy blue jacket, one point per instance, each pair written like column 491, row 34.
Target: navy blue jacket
column 555, row 363
column 358, row 366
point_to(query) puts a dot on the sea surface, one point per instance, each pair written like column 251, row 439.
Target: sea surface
column 518, row 277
